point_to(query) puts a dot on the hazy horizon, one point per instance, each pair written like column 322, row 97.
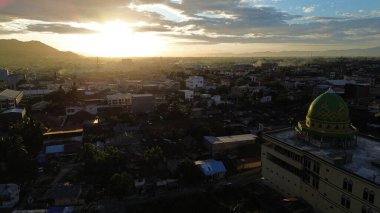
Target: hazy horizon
column 135, row 28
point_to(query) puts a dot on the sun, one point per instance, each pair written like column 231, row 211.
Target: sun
column 116, row 39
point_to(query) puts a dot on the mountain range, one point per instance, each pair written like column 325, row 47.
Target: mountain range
column 369, row 52
column 18, row 52
column 14, row 51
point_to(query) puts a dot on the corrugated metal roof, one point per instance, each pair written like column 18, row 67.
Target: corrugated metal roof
column 211, row 167
column 230, row 139
column 8, row 93
column 55, row 149
column 14, row 110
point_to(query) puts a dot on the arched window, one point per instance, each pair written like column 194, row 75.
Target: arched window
column 371, row 198
column 349, row 188
column 364, row 209
column 365, row 194
column 345, row 184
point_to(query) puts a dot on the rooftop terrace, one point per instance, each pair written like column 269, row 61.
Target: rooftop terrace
column 364, row 157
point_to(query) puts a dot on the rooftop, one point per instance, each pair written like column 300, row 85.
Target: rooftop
column 8, row 93
column 364, row 156
column 211, row 167
column 230, row 139
column 14, row 110
column 64, row 132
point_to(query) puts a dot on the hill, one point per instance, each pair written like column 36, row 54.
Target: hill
column 18, row 52
column 370, row 52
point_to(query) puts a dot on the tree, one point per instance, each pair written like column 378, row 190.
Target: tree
column 100, row 164
column 15, row 163
column 154, row 156
column 121, row 184
column 189, row 172
column 175, row 112
column 31, row 132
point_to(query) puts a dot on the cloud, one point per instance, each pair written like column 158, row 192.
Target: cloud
column 152, row 28
column 58, row 28
column 309, row 9
column 166, row 12
column 198, row 21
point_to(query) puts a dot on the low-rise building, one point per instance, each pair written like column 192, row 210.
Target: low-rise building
column 142, row 103
column 119, row 99
column 64, row 194
column 10, row 98
column 218, row 145
column 194, row 82
column 12, row 115
column 212, row 169
column 187, row 94
column 9, row 195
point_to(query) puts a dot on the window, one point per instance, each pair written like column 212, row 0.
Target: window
column 347, row 185
column 345, row 201
column 371, row 197
column 349, row 189
column 365, row 194
column 307, row 163
column 366, row 209
column 315, row 182
column 316, row 167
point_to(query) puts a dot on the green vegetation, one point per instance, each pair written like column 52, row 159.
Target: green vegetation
column 31, row 132
column 16, row 165
column 189, row 172
column 100, row 165
column 120, row 185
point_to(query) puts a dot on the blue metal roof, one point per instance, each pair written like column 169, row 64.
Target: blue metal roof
column 57, row 209
column 211, row 167
column 55, row 149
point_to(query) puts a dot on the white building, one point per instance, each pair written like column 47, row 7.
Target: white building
column 9, row 195
column 119, row 99
column 92, row 109
column 194, row 82
column 266, row 99
column 10, row 98
column 324, row 161
column 187, row 94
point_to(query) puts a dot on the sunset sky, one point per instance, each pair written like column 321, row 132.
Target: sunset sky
column 122, row 28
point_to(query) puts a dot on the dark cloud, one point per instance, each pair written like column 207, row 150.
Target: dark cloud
column 72, row 10
column 58, row 28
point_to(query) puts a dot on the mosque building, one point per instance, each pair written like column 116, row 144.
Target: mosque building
column 324, row 160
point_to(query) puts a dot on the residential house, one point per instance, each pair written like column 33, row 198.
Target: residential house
column 9, row 195
column 194, row 82
column 10, row 98
column 218, row 145
column 64, row 195
column 211, row 169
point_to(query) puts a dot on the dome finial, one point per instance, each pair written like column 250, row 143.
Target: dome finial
column 330, row 90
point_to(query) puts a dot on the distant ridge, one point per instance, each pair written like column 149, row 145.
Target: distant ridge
column 370, row 52
column 14, row 51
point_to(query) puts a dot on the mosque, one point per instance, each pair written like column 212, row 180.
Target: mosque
column 324, row 160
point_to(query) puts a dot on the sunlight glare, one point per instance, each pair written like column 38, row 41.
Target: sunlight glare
column 116, row 39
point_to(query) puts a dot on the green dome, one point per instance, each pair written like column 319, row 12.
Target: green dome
column 328, row 108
